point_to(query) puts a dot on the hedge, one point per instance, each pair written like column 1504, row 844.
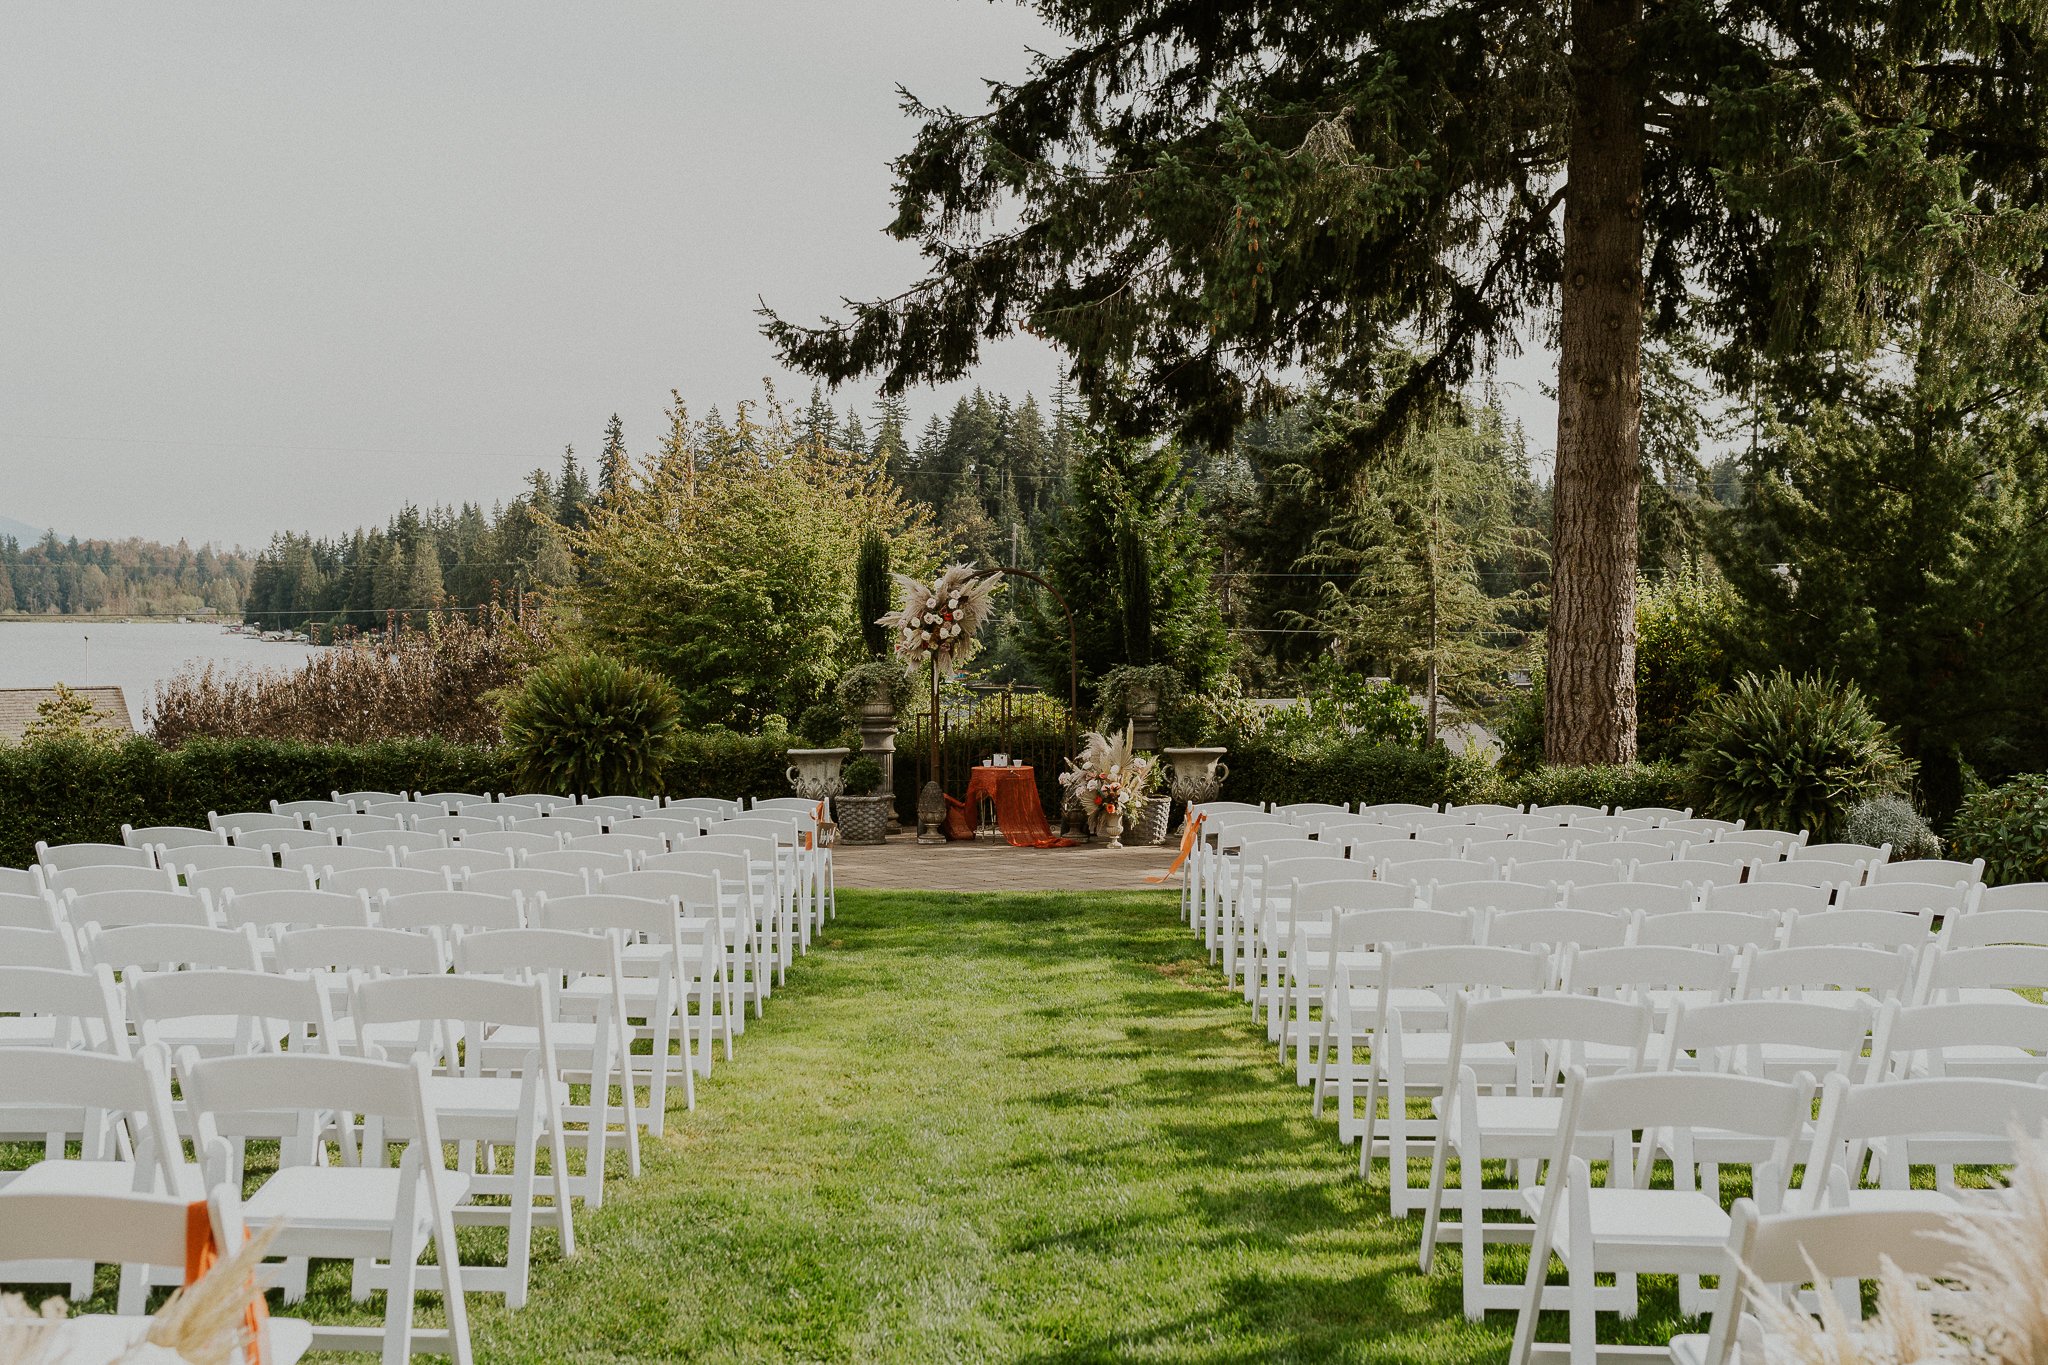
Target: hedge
column 70, row 791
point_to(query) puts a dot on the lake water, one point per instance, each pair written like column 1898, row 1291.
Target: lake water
column 132, row 655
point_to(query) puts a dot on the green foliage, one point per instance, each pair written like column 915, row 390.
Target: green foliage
column 1354, row 769
column 1518, row 725
column 1334, row 704
column 822, row 725
column 727, row 563
column 590, row 724
column 861, row 775
column 1117, row 691
column 1126, row 488
column 1626, row 784
column 1134, row 566
column 1891, row 531
column 891, row 679
column 1683, row 624
column 2007, row 827
column 873, row 596
column 1891, row 820
column 1793, row 753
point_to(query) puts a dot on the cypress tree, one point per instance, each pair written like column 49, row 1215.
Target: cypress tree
column 873, row 594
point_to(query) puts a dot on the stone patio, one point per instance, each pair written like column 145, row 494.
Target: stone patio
column 901, row 865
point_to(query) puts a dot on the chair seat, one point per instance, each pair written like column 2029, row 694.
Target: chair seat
column 96, row 1177
column 357, row 1199
column 96, row 1338
column 1628, row 1219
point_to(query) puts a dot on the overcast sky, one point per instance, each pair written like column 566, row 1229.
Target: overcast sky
column 268, row 266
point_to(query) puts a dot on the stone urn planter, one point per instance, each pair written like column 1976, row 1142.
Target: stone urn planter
column 814, row 773
column 1195, row 774
column 1110, row 825
column 863, row 819
column 1149, row 819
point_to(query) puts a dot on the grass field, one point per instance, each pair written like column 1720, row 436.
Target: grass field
column 1000, row 1127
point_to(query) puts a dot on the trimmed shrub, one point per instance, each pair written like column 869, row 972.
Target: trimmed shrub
column 1891, row 820
column 2008, row 828
column 1631, row 784
column 1788, row 752
column 589, row 724
column 73, row 792
column 1356, row 770
column 861, row 775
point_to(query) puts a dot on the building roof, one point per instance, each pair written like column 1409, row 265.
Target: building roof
column 18, row 707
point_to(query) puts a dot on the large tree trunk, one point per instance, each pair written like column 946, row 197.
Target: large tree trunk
column 1590, row 703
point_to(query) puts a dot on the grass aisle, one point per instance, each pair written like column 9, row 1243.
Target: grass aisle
column 1002, row 1127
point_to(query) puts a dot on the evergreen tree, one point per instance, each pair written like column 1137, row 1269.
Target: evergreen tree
column 614, row 466
column 1142, row 487
column 874, row 593
column 892, row 442
column 423, row 579
column 1200, row 198
column 572, row 493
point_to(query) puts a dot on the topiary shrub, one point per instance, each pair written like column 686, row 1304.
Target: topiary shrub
column 587, row 723
column 2008, row 828
column 1787, row 752
column 822, row 726
column 1891, row 820
column 1622, row 785
column 861, row 776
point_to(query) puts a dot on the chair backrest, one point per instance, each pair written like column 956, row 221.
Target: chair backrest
column 513, row 842
column 1369, row 851
column 1931, row 871
column 60, row 1081
column 28, row 912
column 1887, row 974
column 1844, row 853
column 320, row 859
column 136, row 907
column 359, row 950
column 262, row 1085
column 632, row 845
column 733, row 867
column 528, row 882
column 1498, row 897
column 358, row 801
column 1726, row 1034
column 559, row 952
column 454, row 802
column 346, row 825
column 715, row 805
column 1630, row 851
column 1987, row 926
column 1550, row 1032
column 136, row 1228
column 1709, row 929
column 163, row 947
column 628, row 805
column 560, row 825
column 305, row 810
column 1625, row 898
column 633, row 916
column 1462, row 966
column 1695, row 873
column 23, row 881
column 1953, row 898
column 253, row 997
column 63, row 857
column 281, row 842
column 1567, row 813
column 1501, row 850
column 544, row 802
column 1325, row 899
column 2016, row 896
column 1589, row 867
column 1610, row 824
column 87, row 881
column 54, row 949
column 1555, row 928
column 1754, row 898
column 208, row 857
column 451, row 910
column 84, row 1007
column 461, row 1000
column 668, row 825
column 1398, row 928
column 387, row 881
column 1629, row 971
column 299, row 908
column 458, row 826
column 1646, row 1101
column 2001, row 966
column 694, row 891
column 1420, row 872
column 785, row 826
column 405, row 810
column 399, row 841
column 1939, row 1119
column 252, row 821
column 1809, row 872
column 1777, row 842
column 2013, row 1034
column 219, row 880
column 172, row 836
column 592, row 862
column 1377, row 812
column 1228, row 834
column 460, row 859
column 1871, row 928
column 1738, row 858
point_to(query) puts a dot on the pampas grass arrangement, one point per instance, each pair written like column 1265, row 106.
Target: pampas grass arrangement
column 204, row 1323
column 1995, row 1312
column 940, row 619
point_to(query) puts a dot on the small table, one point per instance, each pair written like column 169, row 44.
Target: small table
column 1013, row 790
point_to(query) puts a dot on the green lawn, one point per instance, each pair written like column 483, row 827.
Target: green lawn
column 999, row 1127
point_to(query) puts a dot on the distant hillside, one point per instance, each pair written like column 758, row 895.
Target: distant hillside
column 20, row 530
column 131, row 577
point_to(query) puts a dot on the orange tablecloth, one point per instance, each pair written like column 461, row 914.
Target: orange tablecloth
column 1019, row 814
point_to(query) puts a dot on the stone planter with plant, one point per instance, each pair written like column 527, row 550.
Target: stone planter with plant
column 863, row 810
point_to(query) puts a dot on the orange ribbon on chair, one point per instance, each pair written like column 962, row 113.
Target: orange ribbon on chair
column 202, row 1253
column 1188, row 836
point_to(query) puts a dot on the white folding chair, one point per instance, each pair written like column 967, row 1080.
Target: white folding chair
column 320, row 859
column 358, row 1205
column 2006, row 1039
column 1313, row 910
column 458, row 860
column 526, row 882
column 135, row 907
column 1351, row 996
column 362, row 800
column 171, row 837
column 1624, row 899
column 1941, row 1122
column 1624, row 1226
column 1930, row 871
column 306, row 810
column 1554, row 928
column 450, row 913
column 518, row 844
column 385, row 880
column 92, row 881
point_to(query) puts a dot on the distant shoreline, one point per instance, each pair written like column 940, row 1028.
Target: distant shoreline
column 59, row 618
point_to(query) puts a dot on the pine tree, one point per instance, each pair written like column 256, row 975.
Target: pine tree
column 572, row 493
column 892, row 442
column 873, row 593
column 1199, row 199
column 423, row 592
column 614, row 466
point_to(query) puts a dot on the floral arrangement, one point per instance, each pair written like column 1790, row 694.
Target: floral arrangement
column 1109, row 778
column 937, row 621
